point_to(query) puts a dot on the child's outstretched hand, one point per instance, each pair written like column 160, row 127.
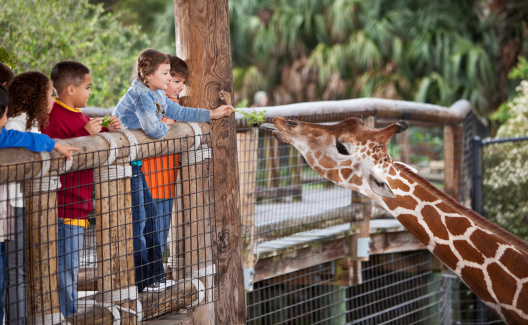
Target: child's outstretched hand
column 65, row 150
column 114, row 124
column 224, row 110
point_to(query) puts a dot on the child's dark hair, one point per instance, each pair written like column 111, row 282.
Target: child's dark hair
column 67, row 73
column 6, row 74
column 148, row 62
column 178, row 67
column 4, row 100
column 28, row 94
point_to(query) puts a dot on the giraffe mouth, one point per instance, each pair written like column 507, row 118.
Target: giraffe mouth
column 277, row 133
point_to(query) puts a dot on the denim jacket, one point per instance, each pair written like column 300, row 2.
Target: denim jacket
column 138, row 109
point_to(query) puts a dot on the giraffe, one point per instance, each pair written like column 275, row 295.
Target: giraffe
column 490, row 260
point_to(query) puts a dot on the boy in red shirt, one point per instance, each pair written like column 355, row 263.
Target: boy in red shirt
column 72, row 83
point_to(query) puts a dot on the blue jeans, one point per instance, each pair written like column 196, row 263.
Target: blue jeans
column 147, row 252
column 15, row 299
column 164, row 220
column 3, row 278
column 70, row 245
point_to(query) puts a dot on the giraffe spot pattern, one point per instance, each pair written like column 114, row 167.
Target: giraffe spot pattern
column 444, row 253
column 397, row 184
column 425, row 196
column 522, row 303
column 473, row 277
column 434, row 222
column 346, row 172
column 402, row 201
column 416, row 229
column 486, row 243
column 510, row 258
column 468, row 252
column 457, row 226
column 503, row 284
column 445, row 208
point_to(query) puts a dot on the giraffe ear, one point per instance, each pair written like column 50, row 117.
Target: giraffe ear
column 378, row 184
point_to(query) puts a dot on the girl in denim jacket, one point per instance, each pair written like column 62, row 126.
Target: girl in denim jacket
column 143, row 107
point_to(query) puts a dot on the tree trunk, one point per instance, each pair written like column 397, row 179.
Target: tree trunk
column 203, row 40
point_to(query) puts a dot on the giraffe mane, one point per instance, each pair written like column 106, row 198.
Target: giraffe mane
column 472, row 215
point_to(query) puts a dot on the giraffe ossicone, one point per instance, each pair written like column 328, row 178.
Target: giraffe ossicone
column 490, row 260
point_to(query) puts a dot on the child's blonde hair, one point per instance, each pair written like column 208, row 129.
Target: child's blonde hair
column 148, row 62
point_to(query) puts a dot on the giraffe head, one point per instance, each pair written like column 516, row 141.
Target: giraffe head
column 347, row 153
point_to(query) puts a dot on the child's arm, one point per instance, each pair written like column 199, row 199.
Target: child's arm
column 33, row 141
column 65, row 150
column 187, row 114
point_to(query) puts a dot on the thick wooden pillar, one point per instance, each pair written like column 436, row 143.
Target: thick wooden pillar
column 42, row 250
column 203, row 40
column 115, row 248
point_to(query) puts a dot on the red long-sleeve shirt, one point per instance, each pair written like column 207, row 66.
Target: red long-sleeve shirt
column 74, row 198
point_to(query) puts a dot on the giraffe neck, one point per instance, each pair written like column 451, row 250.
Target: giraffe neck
column 491, row 261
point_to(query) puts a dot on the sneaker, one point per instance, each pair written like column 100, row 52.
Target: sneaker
column 155, row 287
column 169, row 283
column 166, row 282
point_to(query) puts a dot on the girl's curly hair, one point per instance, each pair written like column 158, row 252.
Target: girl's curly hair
column 28, row 94
column 148, row 62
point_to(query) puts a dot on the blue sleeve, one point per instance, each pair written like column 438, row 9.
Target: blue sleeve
column 146, row 113
column 32, row 141
column 186, row 114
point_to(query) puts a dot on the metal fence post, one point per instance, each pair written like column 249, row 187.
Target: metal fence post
column 476, row 200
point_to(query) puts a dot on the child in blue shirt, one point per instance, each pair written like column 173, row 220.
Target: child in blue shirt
column 143, row 107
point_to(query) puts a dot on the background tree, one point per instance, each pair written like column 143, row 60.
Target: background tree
column 43, row 32
column 433, row 51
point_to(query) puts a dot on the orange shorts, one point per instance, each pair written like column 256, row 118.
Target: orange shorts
column 160, row 173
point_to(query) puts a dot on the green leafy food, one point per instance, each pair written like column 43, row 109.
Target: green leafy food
column 254, row 117
column 106, row 121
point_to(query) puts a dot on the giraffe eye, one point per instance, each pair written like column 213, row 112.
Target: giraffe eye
column 341, row 148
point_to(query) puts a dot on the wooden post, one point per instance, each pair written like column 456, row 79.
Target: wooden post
column 42, row 250
column 197, row 229
column 115, row 249
column 203, row 40
column 452, row 160
column 247, row 144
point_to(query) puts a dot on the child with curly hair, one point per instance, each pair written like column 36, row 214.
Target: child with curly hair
column 30, row 101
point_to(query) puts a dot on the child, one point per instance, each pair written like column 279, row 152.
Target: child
column 31, row 141
column 160, row 172
column 72, row 83
column 143, row 107
column 30, row 103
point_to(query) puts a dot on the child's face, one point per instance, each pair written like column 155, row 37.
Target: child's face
column 160, row 78
column 50, row 97
column 82, row 92
column 175, row 87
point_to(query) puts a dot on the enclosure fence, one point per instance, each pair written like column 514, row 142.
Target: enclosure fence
column 83, row 243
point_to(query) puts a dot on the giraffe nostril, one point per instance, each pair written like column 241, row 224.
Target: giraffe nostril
column 291, row 123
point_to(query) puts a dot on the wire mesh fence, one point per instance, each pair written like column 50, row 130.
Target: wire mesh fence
column 108, row 236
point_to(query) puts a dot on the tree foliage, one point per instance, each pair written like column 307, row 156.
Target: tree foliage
column 43, row 32
column 431, row 51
